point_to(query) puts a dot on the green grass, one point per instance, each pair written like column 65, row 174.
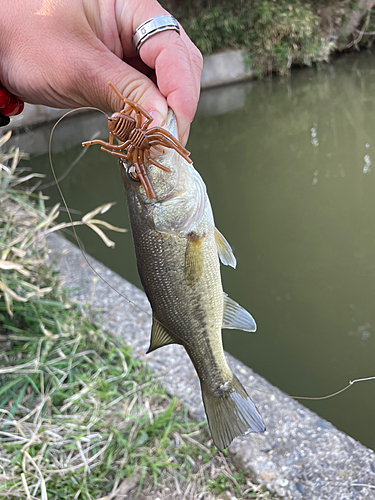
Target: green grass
column 78, row 410
column 273, row 34
column 80, row 418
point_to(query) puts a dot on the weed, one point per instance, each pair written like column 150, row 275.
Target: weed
column 274, row 35
column 79, row 416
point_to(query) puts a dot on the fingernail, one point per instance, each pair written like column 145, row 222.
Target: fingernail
column 185, row 136
column 158, row 118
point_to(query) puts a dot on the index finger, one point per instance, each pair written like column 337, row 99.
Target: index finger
column 178, row 66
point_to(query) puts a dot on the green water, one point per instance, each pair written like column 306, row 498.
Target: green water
column 290, row 170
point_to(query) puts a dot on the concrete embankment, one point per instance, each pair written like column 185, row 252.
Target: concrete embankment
column 300, row 456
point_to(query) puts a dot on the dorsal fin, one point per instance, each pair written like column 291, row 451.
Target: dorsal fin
column 225, row 252
column 159, row 336
column 236, row 317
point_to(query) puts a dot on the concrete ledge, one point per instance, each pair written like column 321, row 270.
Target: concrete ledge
column 34, row 115
column 300, row 456
column 75, row 128
column 85, row 125
column 218, row 69
column 223, row 68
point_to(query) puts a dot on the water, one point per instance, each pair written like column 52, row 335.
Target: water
column 290, row 170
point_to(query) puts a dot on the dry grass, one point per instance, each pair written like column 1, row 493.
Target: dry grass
column 79, row 416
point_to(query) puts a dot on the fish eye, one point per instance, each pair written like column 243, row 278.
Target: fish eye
column 131, row 174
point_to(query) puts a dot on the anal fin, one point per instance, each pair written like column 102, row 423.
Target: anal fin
column 159, row 336
column 236, row 317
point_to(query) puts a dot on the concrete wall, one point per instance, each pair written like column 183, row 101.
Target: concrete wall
column 300, row 456
column 82, row 126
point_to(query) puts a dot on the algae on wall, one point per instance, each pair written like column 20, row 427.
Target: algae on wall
column 276, row 34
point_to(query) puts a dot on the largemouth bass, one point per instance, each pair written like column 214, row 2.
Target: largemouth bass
column 178, row 248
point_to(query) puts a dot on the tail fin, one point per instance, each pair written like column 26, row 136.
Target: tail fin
column 230, row 413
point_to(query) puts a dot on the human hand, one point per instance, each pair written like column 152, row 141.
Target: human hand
column 63, row 53
column 10, row 105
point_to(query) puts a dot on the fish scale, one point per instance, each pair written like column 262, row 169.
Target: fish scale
column 177, row 248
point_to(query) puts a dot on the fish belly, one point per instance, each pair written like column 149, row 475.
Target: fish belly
column 186, row 311
column 192, row 316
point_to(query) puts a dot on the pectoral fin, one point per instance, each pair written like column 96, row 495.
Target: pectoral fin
column 225, row 252
column 193, row 259
column 159, row 336
column 236, row 317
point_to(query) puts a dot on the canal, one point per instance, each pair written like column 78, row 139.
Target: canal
column 290, row 169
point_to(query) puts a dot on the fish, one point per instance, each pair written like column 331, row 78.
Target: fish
column 177, row 250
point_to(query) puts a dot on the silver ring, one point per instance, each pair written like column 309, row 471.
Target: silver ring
column 152, row 27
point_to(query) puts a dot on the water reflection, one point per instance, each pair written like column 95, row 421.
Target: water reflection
column 362, row 331
column 367, row 167
column 288, row 169
column 290, row 187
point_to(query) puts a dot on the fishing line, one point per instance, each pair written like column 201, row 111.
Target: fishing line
column 68, row 212
column 74, row 229
column 351, row 382
column 56, row 180
column 68, row 170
